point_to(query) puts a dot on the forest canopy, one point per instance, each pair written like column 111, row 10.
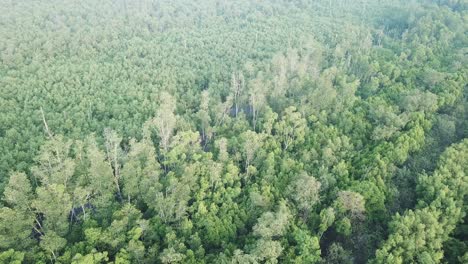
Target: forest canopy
column 214, row 131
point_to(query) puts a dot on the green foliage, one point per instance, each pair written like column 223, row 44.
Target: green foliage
column 94, row 258
column 291, row 128
column 233, row 131
column 11, row 256
column 15, row 229
column 418, row 235
column 337, row 254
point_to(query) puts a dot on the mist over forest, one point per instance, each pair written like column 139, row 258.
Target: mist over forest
column 233, row 132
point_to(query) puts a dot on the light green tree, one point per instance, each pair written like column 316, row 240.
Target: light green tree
column 291, row 129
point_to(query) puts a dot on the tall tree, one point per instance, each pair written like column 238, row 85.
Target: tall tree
column 257, row 97
column 165, row 119
column 205, row 118
column 54, row 203
column 140, row 173
column 100, row 180
column 291, row 129
column 305, row 192
column 252, row 142
column 54, row 163
column 237, row 89
column 114, row 156
column 273, row 224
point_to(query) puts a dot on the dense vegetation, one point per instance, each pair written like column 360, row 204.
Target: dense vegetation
column 211, row 131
